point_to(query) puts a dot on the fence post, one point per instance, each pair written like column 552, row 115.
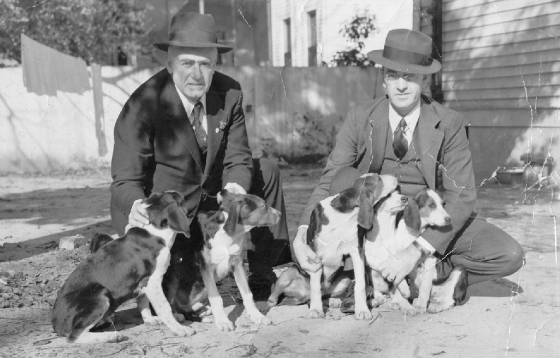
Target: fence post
column 98, row 109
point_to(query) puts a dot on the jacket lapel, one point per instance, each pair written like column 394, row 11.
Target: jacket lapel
column 429, row 139
column 214, row 115
column 180, row 121
column 379, row 120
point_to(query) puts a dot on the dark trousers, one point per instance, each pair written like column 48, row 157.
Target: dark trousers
column 483, row 249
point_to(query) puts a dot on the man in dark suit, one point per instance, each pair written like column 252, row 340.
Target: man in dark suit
column 424, row 145
column 184, row 130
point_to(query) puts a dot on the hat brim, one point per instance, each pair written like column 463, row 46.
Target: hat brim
column 377, row 57
column 164, row 46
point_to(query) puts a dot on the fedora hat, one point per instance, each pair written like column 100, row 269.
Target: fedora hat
column 191, row 29
column 406, row 51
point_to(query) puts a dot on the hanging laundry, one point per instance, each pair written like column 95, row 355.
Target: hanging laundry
column 46, row 71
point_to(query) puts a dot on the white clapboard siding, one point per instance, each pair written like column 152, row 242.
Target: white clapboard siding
column 501, row 54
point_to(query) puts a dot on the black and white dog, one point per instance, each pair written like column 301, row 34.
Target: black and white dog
column 121, row 269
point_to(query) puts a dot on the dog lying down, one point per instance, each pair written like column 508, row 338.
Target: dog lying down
column 122, row 269
column 198, row 264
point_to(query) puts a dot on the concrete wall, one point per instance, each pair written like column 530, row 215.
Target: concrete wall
column 500, row 68
column 332, row 15
column 290, row 112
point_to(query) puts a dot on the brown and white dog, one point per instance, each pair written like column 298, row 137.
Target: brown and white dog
column 122, row 269
column 333, row 234
column 199, row 264
column 396, row 229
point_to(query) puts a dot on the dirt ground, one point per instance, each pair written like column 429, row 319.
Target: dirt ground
column 517, row 316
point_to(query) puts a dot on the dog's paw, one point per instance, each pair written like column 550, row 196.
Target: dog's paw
column 363, row 314
column 335, row 302
column 262, row 320
column 315, row 314
column 223, row 324
column 183, row 331
column 419, row 307
column 377, row 301
column 151, row 320
column 439, row 306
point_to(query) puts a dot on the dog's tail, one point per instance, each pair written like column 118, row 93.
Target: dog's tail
column 98, row 240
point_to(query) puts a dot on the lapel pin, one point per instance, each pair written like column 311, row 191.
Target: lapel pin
column 217, row 130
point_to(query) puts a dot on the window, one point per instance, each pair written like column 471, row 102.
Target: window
column 312, row 38
column 287, row 42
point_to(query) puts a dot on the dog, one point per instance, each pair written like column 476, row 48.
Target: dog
column 292, row 286
column 122, row 269
column 199, row 263
column 333, row 233
column 396, row 229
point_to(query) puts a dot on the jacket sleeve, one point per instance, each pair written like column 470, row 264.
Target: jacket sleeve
column 238, row 163
column 344, row 154
column 133, row 157
column 456, row 184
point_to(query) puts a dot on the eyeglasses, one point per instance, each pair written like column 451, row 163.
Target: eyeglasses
column 395, row 75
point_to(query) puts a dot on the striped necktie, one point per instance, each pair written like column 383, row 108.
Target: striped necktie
column 400, row 144
column 199, row 132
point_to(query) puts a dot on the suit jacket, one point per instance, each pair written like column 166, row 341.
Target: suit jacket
column 156, row 149
column 444, row 155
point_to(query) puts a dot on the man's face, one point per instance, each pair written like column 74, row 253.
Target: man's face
column 192, row 69
column 404, row 89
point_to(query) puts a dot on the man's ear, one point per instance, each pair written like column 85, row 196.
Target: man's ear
column 177, row 219
column 412, row 216
column 232, row 220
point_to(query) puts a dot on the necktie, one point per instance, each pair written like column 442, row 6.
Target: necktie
column 400, row 144
column 197, row 127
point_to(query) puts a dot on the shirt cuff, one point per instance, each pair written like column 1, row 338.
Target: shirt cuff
column 425, row 245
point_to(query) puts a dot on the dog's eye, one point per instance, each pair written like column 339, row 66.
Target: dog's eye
column 432, row 205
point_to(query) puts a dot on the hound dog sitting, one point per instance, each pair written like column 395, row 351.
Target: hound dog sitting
column 122, row 269
column 333, row 234
column 198, row 264
column 396, row 229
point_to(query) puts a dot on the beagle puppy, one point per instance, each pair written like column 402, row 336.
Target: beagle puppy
column 333, row 234
column 122, row 269
column 199, row 264
column 396, row 229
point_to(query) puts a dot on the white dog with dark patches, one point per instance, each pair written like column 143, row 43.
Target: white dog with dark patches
column 333, row 233
column 396, row 229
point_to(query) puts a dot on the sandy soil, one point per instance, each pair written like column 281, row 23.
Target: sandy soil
column 517, row 316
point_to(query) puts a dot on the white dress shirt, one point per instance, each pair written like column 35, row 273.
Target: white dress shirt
column 411, row 120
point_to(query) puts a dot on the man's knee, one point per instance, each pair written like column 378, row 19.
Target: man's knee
column 514, row 258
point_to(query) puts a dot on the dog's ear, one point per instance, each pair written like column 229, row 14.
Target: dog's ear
column 316, row 222
column 232, row 220
column 412, row 216
column 366, row 212
column 346, row 201
column 177, row 219
column 210, row 222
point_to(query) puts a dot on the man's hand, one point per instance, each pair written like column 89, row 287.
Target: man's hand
column 305, row 257
column 138, row 216
column 235, row 188
column 396, row 267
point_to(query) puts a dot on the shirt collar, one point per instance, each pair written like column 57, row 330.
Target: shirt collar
column 188, row 105
column 411, row 118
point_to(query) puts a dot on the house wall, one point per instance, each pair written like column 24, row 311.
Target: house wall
column 331, row 17
column 501, row 69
